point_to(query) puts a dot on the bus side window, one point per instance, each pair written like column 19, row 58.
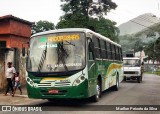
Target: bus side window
column 121, row 54
column 103, row 48
column 109, row 51
column 107, row 56
column 112, row 49
column 117, row 54
column 90, row 50
column 97, row 50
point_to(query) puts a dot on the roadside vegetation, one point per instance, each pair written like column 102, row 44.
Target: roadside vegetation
column 155, row 72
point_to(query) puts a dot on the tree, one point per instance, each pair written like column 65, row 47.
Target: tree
column 42, row 26
column 88, row 7
column 77, row 14
column 153, row 50
column 105, row 27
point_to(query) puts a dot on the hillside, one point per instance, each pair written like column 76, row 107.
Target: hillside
column 138, row 24
column 140, row 39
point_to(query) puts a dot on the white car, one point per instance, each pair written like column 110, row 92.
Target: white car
column 132, row 68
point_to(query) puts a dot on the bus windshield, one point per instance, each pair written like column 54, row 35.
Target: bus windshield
column 131, row 62
column 59, row 52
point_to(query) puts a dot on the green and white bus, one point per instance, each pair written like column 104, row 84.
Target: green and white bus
column 72, row 63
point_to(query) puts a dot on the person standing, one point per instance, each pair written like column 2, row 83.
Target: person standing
column 10, row 74
column 17, row 83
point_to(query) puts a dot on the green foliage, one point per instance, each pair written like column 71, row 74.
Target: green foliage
column 76, row 16
column 88, row 6
column 42, row 26
column 105, row 27
column 153, row 50
column 72, row 21
column 129, row 42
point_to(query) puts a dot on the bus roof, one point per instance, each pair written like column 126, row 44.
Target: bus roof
column 75, row 30
column 131, row 58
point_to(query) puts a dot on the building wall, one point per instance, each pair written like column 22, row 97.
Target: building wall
column 4, row 27
column 15, row 33
column 17, row 41
column 20, row 29
column 5, row 38
column 2, row 70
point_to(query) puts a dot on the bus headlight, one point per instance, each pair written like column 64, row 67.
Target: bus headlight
column 79, row 80
column 82, row 77
column 29, row 81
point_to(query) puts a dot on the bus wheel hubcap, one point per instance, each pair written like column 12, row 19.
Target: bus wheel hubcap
column 98, row 90
column 117, row 84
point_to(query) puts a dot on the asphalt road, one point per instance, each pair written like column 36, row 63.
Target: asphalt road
column 130, row 93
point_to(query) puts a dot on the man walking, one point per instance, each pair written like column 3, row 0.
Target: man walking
column 10, row 74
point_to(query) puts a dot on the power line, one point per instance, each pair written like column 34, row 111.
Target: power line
column 137, row 22
column 142, row 25
column 146, row 19
column 143, row 18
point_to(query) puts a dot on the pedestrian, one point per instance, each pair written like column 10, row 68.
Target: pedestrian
column 17, row 83
column 10, row 73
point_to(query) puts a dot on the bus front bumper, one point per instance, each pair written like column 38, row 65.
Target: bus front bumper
column 80, row 91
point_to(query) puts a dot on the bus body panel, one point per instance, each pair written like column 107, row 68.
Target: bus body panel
column 108, row 70
column 39, row 87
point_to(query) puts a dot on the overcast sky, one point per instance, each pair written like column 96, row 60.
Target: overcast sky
column 35, row 10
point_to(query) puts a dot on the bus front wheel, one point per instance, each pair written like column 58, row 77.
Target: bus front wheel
column 96, row 97
column 51, row 100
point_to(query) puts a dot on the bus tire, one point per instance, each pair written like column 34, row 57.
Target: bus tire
column 51, row 100
column 96, row 97
column 116, row 87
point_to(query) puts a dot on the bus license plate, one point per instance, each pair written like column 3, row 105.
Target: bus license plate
column 52, row 91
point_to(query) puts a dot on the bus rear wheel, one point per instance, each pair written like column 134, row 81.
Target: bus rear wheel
column 96, row 97
column 116, row 87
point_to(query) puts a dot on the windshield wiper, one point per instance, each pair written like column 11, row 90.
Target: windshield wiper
column 62, row 55
column 43, row 57
column 69, row 43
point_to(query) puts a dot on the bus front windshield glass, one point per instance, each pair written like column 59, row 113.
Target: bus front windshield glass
column 60, row 52
column 131, row 62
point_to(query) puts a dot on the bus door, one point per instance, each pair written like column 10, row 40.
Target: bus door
column 91, row 68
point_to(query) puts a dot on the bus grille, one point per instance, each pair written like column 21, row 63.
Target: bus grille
column 44, row 85
column 59, row 84
column 56, row 84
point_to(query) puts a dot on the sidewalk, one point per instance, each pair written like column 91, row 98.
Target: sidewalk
column 17, row 99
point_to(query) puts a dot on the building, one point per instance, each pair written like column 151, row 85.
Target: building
column 14, row 32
